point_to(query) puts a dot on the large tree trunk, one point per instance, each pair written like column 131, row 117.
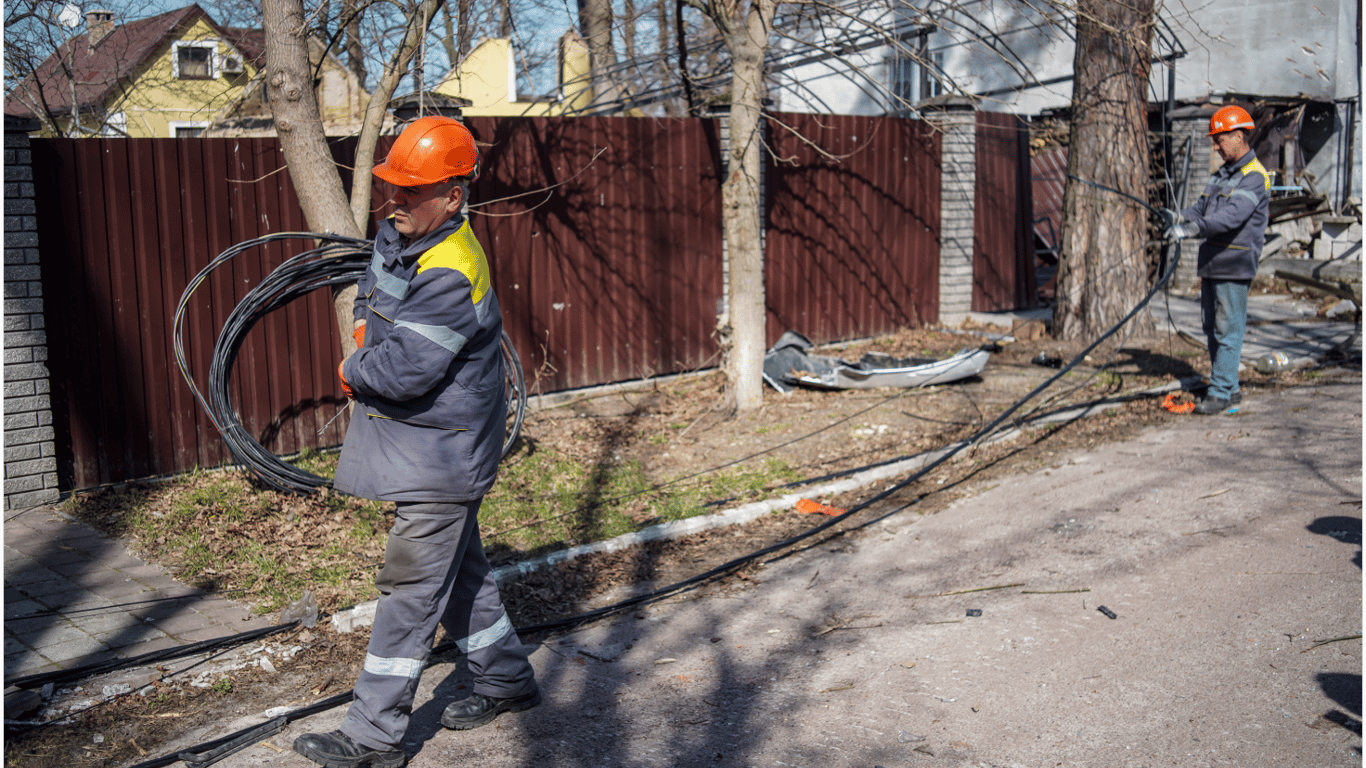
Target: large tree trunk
column 1104, row 268
column 595, row 19
column 740, row 199
column 318, row 185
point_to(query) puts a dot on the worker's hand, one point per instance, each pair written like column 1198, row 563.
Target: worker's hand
column 1175, row 226
column 359, row 334
column 341, row 374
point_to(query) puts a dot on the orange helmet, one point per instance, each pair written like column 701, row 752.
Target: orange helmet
column 1228, row 118
column 430, row 149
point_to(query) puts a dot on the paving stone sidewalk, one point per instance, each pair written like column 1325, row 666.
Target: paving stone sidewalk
column 74, row 596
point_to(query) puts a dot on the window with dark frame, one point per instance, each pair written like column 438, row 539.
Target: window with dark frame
column 194, row 62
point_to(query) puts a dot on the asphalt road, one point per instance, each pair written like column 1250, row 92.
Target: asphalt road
column 1226, row 547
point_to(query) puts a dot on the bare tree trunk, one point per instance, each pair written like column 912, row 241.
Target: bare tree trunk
column 662, row 14
column 740, row 200
column 355, row 55
column 318, row 185
column 378, row 108
column 689, row 98
column 465, row 28
column 628, row 29
column 448, row 39
column 595, row 17
column 1104, row 270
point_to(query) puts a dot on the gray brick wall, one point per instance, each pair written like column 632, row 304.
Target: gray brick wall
column 1194, row 129
column 30, row 450
column 958, row 121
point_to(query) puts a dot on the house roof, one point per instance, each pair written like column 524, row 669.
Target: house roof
column 251, row 42
column 118, row 55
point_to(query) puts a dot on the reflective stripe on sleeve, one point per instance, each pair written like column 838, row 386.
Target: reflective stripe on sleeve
column 487, row 637
column 440, row 334
column 378, row 665
column 390, row 284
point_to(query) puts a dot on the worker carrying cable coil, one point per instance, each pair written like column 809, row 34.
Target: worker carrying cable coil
column 427, row 433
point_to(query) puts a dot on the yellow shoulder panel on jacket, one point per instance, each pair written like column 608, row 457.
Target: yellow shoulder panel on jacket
column 463, row 253
column 1256, row 167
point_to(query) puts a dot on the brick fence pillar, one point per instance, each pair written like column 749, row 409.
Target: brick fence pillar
column 956, row 117
column 30, row 448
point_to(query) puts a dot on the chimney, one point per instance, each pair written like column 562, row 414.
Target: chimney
column 99, row 22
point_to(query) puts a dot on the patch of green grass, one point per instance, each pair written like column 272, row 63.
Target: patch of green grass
column 542, row 503
column 321, row 463
column 1109, row 380
column 223, row 531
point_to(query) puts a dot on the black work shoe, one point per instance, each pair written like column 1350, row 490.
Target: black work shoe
column 1211, row 405
column 1235, row 398
column 479, row 709
column 337, row 750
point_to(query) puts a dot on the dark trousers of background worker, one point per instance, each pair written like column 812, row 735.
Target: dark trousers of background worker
column 435, row 571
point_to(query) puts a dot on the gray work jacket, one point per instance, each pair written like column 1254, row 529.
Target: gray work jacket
column 1232, row 216
column 429, row 382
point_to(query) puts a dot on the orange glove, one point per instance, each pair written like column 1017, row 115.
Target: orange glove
column 359, row 334
column 346, row 388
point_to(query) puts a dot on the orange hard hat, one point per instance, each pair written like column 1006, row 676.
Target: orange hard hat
column 430, row 149
column 1229, row 118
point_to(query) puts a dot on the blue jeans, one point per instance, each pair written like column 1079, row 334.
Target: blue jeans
column 1223, row 310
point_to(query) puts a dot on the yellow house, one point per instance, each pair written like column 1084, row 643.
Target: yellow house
column 341, row 98
column 487, row 79
column 175, row 75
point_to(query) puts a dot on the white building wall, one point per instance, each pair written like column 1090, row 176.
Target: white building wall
column 1256, row 47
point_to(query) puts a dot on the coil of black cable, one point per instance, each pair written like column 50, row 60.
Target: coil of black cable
column 337, row 261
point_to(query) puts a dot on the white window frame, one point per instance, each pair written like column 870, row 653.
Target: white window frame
column 115, row 125
column 211, row 45
column 176, row 125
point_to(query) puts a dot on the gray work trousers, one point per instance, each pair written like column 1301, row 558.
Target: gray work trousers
column 435, row 571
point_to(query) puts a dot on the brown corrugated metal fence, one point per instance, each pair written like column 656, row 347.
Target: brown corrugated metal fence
column 123, row 226
column 1003, row 255
column 604, row 235
column 853, row 226
column 605, row 244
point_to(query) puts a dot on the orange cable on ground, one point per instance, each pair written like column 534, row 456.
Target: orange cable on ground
column 809, row 507
column 1170, row 404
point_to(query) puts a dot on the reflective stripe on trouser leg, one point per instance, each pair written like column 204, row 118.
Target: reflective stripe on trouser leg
column 421, row 559
column 476, row 619
column 1223, row 310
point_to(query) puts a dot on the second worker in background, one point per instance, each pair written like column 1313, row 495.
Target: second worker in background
column 1231, row 216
